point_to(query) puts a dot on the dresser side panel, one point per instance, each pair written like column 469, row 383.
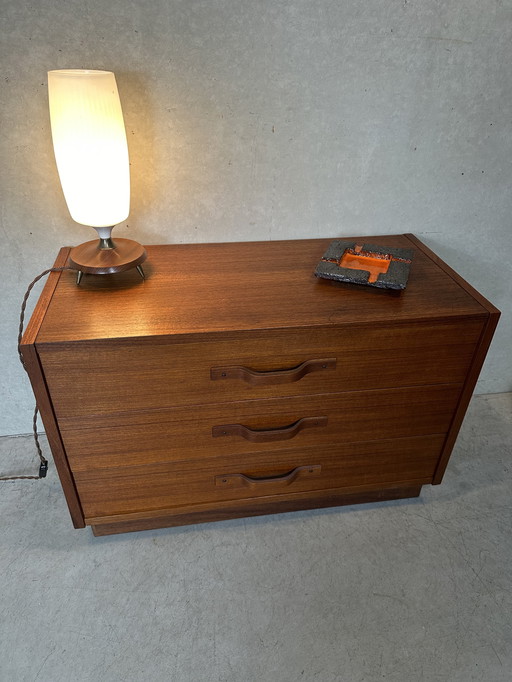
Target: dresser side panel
column 51, row 426
column 37, row 378
column 466, row 394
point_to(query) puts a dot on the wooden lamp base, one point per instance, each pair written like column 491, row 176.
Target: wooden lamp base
column 94, row 260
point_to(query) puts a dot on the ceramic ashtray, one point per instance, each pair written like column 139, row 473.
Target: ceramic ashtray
column 376, row 266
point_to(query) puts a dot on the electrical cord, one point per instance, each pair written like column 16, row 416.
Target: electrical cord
column 43, row 466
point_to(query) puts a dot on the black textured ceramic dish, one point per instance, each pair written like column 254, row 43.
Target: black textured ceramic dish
column 376, row 266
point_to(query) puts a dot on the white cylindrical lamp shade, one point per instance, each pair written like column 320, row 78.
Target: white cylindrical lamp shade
column 89, row 140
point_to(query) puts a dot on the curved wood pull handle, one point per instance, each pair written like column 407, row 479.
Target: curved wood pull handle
column 267, row 435
column 241, row 480
column 281, row 376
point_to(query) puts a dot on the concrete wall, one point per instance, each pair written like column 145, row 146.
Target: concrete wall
column 253, row 119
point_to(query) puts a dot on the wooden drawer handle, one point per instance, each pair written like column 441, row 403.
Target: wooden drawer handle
column 241, row 480
column 281, row 376
column 267, row 435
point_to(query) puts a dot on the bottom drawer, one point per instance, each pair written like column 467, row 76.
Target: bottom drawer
column 110, row 491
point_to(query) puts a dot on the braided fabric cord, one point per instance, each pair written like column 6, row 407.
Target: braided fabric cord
column 43, row 460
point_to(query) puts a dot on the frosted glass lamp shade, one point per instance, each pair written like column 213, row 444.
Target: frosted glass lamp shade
column 89, row 140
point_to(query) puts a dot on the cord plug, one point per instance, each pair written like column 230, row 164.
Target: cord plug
column 43, row 469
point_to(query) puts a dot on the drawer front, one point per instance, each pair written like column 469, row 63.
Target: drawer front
column 105, row 378
column 259, row 426
column 144, row 488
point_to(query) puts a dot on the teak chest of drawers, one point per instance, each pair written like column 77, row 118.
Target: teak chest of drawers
column 232, row 382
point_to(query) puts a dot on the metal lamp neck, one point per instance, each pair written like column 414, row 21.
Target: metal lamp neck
column 104, row 233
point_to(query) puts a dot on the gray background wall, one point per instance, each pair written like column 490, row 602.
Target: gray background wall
column 270, row 120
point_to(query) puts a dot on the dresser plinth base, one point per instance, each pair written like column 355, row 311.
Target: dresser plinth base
column 246, row 508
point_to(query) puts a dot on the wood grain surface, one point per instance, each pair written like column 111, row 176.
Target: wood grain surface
column 272, row 504
column 151, row 487
column 44, row 404
column 139, row 376
column 207, row 288
column 127, row 374
column 186, row 434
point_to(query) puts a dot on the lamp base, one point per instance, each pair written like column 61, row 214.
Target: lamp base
column 94, row 260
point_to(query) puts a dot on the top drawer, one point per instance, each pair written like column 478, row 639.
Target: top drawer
column 87, row 378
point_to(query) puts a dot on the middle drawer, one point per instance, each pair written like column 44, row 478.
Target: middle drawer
column 258, row 426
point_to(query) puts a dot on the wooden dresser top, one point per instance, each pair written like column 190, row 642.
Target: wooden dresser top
column 233, row 287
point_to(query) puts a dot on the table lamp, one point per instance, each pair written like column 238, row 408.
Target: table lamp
column 91, row 152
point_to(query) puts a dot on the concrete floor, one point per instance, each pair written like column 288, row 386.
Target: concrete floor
column 410, row 591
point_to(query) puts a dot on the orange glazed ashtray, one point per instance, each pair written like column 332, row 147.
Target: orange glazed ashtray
column 377, row 266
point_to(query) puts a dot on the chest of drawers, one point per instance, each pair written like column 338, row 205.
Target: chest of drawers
column 232, row 382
